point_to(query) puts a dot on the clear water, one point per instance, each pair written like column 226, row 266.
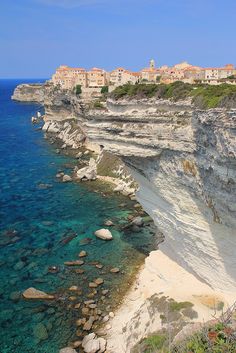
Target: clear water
column 46, row 226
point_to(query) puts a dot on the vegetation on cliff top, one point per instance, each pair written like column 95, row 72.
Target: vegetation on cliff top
column 202, row 95
column 217, row 336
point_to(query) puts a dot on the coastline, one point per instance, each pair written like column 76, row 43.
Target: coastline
column 158, row 277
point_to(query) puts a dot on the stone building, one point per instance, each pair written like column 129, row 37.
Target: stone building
column 121, row 76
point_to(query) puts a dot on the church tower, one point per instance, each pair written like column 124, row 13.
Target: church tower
column 152, row 64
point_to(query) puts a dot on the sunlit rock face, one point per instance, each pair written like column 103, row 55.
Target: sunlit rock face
column 29, row 93
column 184, row 161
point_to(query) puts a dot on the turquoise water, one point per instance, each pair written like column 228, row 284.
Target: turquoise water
column 44, row 223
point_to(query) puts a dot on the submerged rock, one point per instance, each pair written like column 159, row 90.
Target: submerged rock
column 40, row 332
column 82, row 253
column 99, row 281
column 108, row 223
column 33, row 293
column 115, row 270
column 103, row 234
column 74, row 263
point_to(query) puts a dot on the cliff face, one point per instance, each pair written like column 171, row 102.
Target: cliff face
column 184, row 161
column 29, row 93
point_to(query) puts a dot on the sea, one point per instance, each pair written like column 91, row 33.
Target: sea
column 45, row 223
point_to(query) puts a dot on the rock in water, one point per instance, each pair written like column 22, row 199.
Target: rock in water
column 33, row 293
column 138, row 221
column 66, row 178
column 108, row 223
column 115, row 270
column 82, row 253
column 74, row 263
column 103, row 234
column 40, row 332
column 67, row 350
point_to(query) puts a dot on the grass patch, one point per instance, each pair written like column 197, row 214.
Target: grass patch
column 177, row 306
column 154, row 342
column 97, row 104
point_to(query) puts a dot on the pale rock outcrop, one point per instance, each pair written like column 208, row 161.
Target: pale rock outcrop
column 89, row 172
column 29, row 93
column 66, row 131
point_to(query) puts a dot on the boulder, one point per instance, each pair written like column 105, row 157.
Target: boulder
column 91, row 344
column 88, row 324
column 66, row 178
column 89, row 172
column 32, row 293
column 99, row 281
column 103, row 234
column 102, row 345
column 115, row 270
column 40, row 332
column 67, row 350
column 108, row 223
column 138, row 221
column 79, row 155
column 74, row 263
column 82, row 253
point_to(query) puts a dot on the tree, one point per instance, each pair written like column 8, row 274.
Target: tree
column 78, row 89
column 104, row 90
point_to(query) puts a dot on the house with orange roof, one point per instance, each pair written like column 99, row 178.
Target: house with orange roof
column 121, row 76
column 68, row 77
column 97, row 77
column 218, row 73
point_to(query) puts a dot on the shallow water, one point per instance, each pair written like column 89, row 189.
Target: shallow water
column 43, row 223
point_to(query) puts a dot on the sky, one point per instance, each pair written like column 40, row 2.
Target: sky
column 36, row 36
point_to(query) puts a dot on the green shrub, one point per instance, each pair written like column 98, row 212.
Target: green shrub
column 78, row 89
column 104, row 89
column 155, row 343
column 217, row 339
column 97, row 105
column 202, row 95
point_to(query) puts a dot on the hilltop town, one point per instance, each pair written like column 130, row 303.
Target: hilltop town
column 96, row 78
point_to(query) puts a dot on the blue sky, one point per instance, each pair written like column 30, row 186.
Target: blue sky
column 36, row 36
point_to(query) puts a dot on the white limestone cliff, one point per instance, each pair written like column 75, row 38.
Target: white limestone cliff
column 184, row 161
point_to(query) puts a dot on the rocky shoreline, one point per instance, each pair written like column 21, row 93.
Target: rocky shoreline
column 67, row 139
